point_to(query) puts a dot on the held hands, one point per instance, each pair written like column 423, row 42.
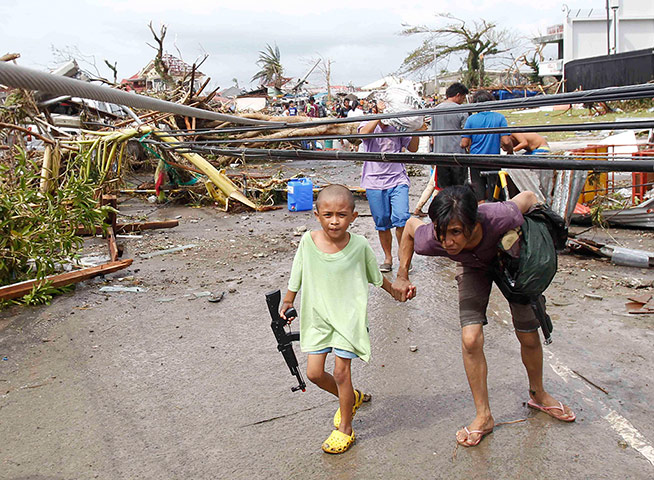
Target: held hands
column 403, row 289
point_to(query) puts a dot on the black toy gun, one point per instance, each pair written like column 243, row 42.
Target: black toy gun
column 285, row 338
column 538, row 306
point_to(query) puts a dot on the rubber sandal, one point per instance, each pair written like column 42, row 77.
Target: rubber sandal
column 466, row 443
column 338, row 442
column 385, row 267
column 550, row 411
column 359, row 398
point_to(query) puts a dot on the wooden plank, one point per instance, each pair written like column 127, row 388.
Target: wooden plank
column 131, row 227
column 113, row 246
column 23, row 288
column 137, row 227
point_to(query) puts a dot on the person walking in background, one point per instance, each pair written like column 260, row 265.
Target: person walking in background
column 445, row 176
column 387, row 184
column 484, row 143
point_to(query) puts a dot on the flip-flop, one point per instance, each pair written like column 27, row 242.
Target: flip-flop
column 550, row 411
column 466, row 443
column 385, row 267
column 359, row 399
column 338, row 442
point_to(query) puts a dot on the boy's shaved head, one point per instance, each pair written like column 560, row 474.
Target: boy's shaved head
column 335, row 191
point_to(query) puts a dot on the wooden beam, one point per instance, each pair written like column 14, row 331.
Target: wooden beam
column 130, row 227
column 23, row 288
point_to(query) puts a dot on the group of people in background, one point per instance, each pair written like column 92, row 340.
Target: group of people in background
column 340, row 108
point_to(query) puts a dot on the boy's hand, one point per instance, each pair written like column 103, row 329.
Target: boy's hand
column 403, row 289
column 284, row 309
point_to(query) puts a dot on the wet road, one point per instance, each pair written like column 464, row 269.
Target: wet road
column 165, row 385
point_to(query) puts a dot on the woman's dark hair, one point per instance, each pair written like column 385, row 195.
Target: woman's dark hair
column 457, row 202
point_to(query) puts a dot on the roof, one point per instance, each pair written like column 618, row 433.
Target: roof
column 176, row 67
column 230, row 92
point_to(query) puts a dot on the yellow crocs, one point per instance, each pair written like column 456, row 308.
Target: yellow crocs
column 359, row 398
column 338, row 442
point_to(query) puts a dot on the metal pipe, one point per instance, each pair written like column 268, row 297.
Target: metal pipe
column 537, row 162
column 635, row 125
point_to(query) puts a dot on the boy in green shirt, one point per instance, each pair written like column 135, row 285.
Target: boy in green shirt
column 333, row 267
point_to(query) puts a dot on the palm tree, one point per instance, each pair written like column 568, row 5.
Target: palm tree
column 271, row 66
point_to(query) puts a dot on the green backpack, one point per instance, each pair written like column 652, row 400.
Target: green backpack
column 526, row 261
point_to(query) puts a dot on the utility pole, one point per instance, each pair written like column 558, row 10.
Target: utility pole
column 436, row 85
column 614, row 6
column 328, row 75
column 608, row 30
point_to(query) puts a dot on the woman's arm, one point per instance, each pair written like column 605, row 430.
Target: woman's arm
column 525, row 200
column 403, row 289
column 415, row 141
column 369, row 127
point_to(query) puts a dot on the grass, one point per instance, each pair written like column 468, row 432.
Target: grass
column 559, row 117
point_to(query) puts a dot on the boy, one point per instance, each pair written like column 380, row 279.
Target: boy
column 333, row 267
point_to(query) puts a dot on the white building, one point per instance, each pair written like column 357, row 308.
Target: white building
column 625, row 26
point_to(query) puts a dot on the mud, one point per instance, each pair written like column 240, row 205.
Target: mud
column 165, row 384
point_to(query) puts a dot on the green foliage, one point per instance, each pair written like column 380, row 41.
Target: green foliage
column 474, row 40
column 37, row 231
column 271, row 66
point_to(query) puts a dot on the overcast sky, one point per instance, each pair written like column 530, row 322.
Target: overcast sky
column 360, row 37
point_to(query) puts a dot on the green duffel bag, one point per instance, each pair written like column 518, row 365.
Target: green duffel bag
column 526, row 262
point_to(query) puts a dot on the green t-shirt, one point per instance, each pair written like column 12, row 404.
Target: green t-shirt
column 334, row 303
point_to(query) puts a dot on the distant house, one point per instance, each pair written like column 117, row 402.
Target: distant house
column 149, row 79
column 254, row 101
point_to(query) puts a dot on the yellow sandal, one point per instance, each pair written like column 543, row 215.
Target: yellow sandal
column 359, row 398
column 338, row 442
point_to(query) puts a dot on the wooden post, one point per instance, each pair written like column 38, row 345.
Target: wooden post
column 111, row 230
column 46, row 170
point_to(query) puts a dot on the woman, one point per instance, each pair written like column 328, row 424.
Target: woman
column 469, row 234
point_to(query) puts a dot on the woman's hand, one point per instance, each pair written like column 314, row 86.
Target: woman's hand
column 403, row 289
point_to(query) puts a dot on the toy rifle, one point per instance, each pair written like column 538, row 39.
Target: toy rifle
column 285, row 338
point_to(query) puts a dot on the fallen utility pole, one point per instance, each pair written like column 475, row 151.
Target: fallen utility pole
column 537, row 162
column 61, row 280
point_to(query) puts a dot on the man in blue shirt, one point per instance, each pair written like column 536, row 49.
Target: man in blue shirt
column 484, row 144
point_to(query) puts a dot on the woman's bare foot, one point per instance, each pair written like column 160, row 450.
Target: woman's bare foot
column 471, row 435
column 544, row 402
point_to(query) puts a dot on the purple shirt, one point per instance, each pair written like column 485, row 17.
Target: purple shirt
column 495, row 218
column 382, row 175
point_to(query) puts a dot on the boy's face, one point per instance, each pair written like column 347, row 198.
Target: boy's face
column 335, row 216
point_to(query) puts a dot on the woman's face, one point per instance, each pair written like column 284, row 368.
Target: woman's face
column 455, row 238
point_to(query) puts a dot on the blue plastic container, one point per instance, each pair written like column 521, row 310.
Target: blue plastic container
column 300, row 195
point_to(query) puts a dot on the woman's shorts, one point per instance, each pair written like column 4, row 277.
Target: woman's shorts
column 474, row 290
column 337, row 351
column 390, row 207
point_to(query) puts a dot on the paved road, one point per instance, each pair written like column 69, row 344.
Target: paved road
column 165, row 385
